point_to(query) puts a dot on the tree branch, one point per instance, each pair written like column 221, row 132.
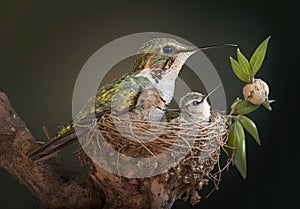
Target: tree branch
column 50, row 182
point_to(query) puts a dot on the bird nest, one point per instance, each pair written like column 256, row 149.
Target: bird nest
column 182, row 155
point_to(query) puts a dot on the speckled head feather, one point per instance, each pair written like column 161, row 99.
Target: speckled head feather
column 156, row 45
column 159, row 53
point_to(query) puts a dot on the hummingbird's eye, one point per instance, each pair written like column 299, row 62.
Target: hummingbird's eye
column 168, row 49
column 195, row 103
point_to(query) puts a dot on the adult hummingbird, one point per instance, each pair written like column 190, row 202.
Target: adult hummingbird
column 157, row 65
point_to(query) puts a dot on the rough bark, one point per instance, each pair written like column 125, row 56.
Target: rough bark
column 50, row 182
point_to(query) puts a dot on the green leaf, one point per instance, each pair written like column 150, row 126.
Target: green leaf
column 250, row 127
column 231, row 140
column 267, row 106
column 237, row 139
column 235, row 102
column 239, row 158
column 237, row 69
column 259, row 56
column 245, row 107
column 245, row 66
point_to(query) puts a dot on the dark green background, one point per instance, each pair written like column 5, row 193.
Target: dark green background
column 44, row 44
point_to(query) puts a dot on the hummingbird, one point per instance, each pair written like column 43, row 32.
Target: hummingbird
column 157, row 65
column 194, row 117
column 149, row 106
column 195, row 108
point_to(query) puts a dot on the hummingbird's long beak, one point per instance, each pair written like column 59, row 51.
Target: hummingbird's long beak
column 202, row 48
column 212, row 91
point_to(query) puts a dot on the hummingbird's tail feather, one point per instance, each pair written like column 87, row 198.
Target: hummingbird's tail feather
column 49, row 149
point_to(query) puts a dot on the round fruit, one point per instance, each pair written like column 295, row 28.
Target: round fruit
column 257, row 92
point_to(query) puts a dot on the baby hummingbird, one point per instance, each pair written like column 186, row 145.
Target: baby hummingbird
column 193, row 119
column 195, row 108
column 149, row 106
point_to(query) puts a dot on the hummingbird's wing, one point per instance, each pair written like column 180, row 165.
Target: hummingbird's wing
column 118, row 96
column 172, row 114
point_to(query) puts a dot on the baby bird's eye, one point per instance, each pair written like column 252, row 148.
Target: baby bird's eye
column 195, row 103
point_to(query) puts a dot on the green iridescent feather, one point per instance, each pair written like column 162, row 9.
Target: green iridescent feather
column 119, row 95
